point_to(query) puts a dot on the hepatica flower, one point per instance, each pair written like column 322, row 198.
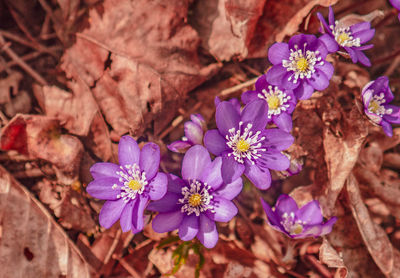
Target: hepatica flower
column 281, row 102
column 128, row 187
column 296, row 222
column 396, row 4
column 245, row 145
column 193, row 203
column 349, row 37
column 376, row 95
column 300, row 65
column 194, row 131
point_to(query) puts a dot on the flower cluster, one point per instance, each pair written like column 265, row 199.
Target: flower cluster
column 251, row 140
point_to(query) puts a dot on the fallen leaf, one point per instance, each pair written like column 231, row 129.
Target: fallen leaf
column 329, row 256
column 32, row 243
column 9, row 86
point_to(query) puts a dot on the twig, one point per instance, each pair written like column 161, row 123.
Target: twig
column 127, row 267
column 112, row 247
column 387, row 58
column 233, row 89
column 21, row 63
column 393, row 66
column 21, row 26
column 318, row 266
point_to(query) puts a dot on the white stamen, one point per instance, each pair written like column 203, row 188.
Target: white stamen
column 290, row 225
column 130, row 173
column 205, row 201
column 235, row 138
column 376, row 107
column 344, row 36
column 274, row 92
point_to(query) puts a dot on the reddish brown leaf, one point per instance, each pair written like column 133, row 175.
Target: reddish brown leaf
column 32, row 243
column 329, row 256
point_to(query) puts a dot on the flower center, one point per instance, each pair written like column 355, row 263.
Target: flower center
column 196, row 198
column 344, row 36
column 302, row 62
column 134, row 182
column 245, row 144
column 376, row 107
column 292, row 226
column 276, row 99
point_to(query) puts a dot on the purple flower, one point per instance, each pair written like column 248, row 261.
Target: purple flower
column 338, row 34
column 193, row 203
column 376, row 95
column 129, row 186
column 396, row 4
column 300, row 65
column 287, row 218
column 245, row 145
column 194, row 131
column 281, row 102
column 234, row 101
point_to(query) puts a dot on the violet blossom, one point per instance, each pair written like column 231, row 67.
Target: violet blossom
column 296, row 222
column 234, row 101
column 396, row 5
column 128, row 187
column 300, row 65
column 376, row 95
column 194, row 131
column 194, row 203
column 349, row 37
column 281, row 102
column 245, row 145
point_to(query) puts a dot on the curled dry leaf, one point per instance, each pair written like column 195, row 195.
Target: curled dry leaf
column 9, row 86
column 329, row 256
column 32, row 243
column 140, row 60
column 40, row 137
column 375, row 239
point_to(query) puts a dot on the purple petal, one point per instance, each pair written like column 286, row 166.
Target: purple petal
column 158, row 186
column 360, row 27
column 199, row 120
column 195, row 162
column 331, row 16
column 394, row 117
column 277, row 52
column 364, row 35
column 224, row 209
column 208, row 234
column 193, row 132
column 310, row 213
column 362, row 58
column 126, row 216
column 329, row 42
column 319, row 80
column 277, row 140
column 189, row 227
column 303, row 91
column 102, row 188
column 364, row 47
column 170, row 202
column 324, row 24
column 318, row 45
column 275, row 75
column 111, row 212
column 128, row 151
column 352, row 54
column 231, row 190
column 217, row 101
column 287, row 81
column 300, row 40
column 327, row 227
column 249, row 96
column 175, row 184
column 231, row 169
column 104, row 169
column 387, row 128
column 226, row 117
column 255, row 113
column 381, row 84
column 214, row 142
column 212, row 176
column 271, row 216
column 138, row 210
column 283, row 121
column 274, row 161
column 150, row 160
column 179, row 146
column 327, row 69
column 166, row 222
column 285, row 203
column 261, row 83
column 261, row 178
column 236, row 104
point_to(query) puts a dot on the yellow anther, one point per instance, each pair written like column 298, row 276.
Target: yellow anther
column 302, row 64
column 273, row 102
column 342, row 38
column 195, row 200
column 243, row 145
column 134, row 185
column 374, row 106
column 296, row 229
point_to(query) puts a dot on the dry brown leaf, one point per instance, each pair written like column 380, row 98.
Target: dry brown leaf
column 329, row 256
column 9, row 86
column 32, row 244
column 140, row 59
column 40, row 137
column 374, row 237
